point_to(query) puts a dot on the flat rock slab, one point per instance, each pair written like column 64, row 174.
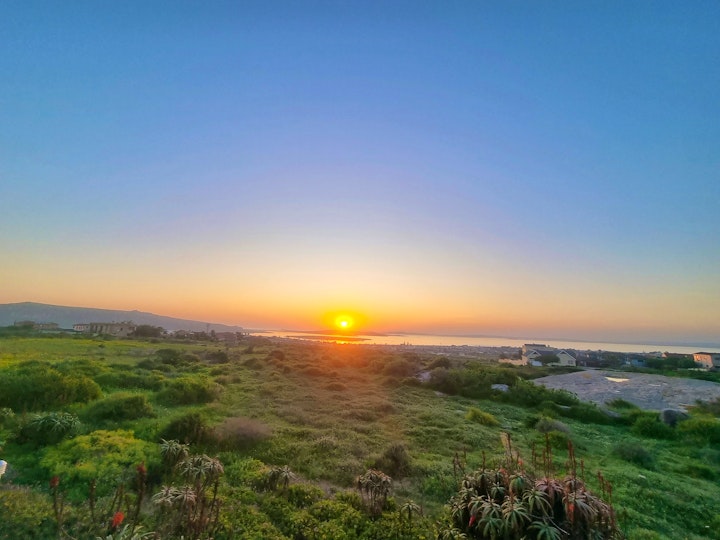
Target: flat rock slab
column 652, row 392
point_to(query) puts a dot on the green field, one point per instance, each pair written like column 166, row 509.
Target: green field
column 294, row 425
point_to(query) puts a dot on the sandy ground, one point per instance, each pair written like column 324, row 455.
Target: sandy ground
column 654, row 392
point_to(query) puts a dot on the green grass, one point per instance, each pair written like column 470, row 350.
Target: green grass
column 331, row 412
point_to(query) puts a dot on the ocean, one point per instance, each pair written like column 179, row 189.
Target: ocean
column 480, row 341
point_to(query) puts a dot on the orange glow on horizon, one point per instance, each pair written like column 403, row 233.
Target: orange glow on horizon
column 343, row 321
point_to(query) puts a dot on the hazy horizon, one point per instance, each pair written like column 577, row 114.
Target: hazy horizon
column 509, row 169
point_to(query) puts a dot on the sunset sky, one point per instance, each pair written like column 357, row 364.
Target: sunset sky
column 532, row 168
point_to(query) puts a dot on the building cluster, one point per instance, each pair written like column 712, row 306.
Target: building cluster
column 121, row 329
column 535, row 354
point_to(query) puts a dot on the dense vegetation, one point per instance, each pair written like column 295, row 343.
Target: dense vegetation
column 277, row 440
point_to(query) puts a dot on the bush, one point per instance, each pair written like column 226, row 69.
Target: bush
column 106, row 456
column 240, row 433
column 169, row 356
column 619, row 403
column 481, row 417
column 125, row 380
column 189, row 428
column 587, row 412
column 7, row 417
column 217, row 357
column 395, row 461
column 634, row 453
column 399, row 367
column 710, row 407
column 528, row 394
column 33, row 386
column 441, row 362
column 26, row 514
column 651, row 427
column 701, row 429
column 189, row 391
column 120, row 407
column 50, row 428
column 557, row 439
column 546, row 425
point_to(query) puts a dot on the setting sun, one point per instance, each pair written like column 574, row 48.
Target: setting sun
column 344, row 322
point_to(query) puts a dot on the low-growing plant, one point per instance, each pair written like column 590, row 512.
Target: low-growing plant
column 33, row 386
column 104, row 456
column 647, row 426
column 635, row 453
column 119, row 407
column 189, row 391
column 25, row 514
column 240, row 433
column 508, row 502
column 701, row 429
column 395, row 460
column 546, row 425
column 189, row 428
column 48, row 428
column 481, row 417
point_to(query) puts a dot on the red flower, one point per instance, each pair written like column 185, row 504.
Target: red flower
column 472, row 520
column 54, row 481
column 117, row 519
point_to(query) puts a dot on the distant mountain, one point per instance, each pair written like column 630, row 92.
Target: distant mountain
column 66, row 317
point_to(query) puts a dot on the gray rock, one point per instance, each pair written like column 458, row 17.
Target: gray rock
column 500, row 387
column 672, row 416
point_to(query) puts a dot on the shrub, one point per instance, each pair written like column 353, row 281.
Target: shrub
column 102, row 455
column 277, row 355
column 189, row 390
column 169, row 356
column 481, row 417
column 557, row 439
column 26, row 514
column 50, row 428
column 399, row 367
column 619, row 403
column 701, row 429
column 240, row 433
column 710, row 407
column 440, row 362
column 587, row 412
column 395, row 461
column 546, row 425
column 651, row 427
column 190, row 428
column 36, row 386
column 127, row 380
column 120, row 407
column 217, row 357
column 7, row 417
column 528, row 394
column 634, row 453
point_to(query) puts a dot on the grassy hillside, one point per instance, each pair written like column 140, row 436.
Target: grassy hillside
column 295, row 424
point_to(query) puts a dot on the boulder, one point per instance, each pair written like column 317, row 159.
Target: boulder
column 671, row 417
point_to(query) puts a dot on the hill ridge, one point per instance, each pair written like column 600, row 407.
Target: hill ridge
column 67, row 316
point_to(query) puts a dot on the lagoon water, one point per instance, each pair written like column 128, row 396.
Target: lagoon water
column 480, row 341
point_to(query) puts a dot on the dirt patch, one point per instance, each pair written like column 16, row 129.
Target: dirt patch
column 653, row 392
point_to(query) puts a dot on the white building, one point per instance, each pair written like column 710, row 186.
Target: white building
column 707, row 360
column 531, row 352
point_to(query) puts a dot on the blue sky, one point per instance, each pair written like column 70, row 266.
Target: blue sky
column 515, row 167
